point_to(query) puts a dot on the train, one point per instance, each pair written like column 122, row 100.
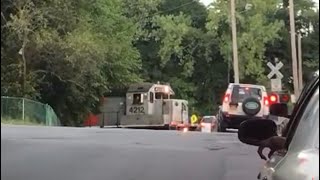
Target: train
column 144, row 105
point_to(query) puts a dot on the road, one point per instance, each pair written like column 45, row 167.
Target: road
column 60, row 153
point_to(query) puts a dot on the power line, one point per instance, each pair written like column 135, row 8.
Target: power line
column 178, row 7
column 172, row 9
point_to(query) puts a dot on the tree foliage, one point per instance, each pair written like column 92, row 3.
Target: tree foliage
column 254, row 30
column 74, row 51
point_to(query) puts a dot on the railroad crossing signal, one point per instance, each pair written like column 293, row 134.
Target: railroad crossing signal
column 275, row 70
column 276, row 85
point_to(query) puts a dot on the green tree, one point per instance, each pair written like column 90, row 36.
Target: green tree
column 307, row 23
column 76, row 51
column 255, row 31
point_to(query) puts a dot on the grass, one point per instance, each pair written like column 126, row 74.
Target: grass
column 20, row 122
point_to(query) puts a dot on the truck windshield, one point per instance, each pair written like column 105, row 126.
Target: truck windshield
column 160, row 95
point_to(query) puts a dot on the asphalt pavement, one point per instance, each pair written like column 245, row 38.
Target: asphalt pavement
column 61, row 153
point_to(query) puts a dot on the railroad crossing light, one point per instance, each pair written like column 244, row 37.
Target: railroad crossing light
column 285, row 98
column 279, row 98
column 273, row 98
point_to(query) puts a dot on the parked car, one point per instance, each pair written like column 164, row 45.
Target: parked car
column 299, row 157
column 208, row 124
column 241, row 102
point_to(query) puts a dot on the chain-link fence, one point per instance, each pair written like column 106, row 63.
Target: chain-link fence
column 26, row 110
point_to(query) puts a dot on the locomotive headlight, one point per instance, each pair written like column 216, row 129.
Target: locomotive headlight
column 166, row 89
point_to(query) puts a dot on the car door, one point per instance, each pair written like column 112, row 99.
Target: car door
column 268, row 169
column 301, row 162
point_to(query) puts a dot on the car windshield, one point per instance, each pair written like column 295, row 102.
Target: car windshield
column 245, row 92
column 307, row 133
column 207, row 119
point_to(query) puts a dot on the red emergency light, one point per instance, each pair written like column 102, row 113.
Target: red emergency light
column 279, row 98
column 285, row 98
column 273, row 98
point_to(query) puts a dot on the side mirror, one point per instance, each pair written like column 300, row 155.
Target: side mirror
column 254, row 131
column 279, row 109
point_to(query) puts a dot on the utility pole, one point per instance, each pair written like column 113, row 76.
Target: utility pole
column 228, row 70
column 234, row 42
column 293, row 49
column 300, row 63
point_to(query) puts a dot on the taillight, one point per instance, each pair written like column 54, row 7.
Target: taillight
column 273, row 98
column 226, row 98
column 266, row 101
column 285, row 98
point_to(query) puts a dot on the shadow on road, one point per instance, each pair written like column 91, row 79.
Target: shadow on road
column 232, row 131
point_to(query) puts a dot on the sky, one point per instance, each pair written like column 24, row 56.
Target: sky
column 207, row 2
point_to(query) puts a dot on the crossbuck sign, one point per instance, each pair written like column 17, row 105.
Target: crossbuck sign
column 275, row 70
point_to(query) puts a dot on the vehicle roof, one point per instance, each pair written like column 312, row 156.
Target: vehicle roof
column 145, row 87
column 208, row 116
column 247, row 85
column 177, row 100
column 140, row 87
